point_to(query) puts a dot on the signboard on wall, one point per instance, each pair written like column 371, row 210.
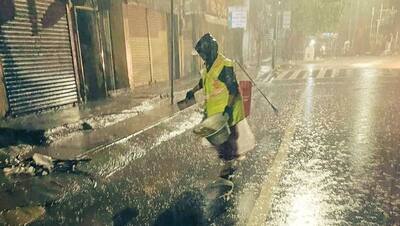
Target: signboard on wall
column 237, row 17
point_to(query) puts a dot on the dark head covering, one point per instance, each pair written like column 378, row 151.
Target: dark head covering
column 207, row 47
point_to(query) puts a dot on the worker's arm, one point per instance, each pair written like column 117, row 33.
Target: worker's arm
column 228, row 77
column 199, row 86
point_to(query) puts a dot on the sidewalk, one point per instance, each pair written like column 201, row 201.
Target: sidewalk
column 74, row 130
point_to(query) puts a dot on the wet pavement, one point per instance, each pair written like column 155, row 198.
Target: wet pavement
column 331, row 157
column 56, row 124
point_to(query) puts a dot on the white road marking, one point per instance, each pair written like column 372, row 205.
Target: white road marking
column 295, row 74
column 263, row 204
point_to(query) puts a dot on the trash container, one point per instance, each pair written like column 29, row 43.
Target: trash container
column 245, row 90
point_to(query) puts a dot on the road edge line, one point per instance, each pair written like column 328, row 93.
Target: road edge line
column 263, row 204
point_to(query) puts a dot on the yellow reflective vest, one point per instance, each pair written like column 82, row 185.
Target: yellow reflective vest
column 217, row 94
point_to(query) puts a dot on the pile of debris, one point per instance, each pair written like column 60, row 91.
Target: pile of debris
column 40, row 165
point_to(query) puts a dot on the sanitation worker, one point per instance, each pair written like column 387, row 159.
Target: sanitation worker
column 221, row 89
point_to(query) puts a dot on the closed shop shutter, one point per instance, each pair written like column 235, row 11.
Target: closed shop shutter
column 37, row 62
column 139, row 45
column 159, row 45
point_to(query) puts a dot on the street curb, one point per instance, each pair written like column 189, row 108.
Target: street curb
column 10, row 137
column 127, row 137
column 60, row 132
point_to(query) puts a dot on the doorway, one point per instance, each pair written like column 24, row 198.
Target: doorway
column 91, row 54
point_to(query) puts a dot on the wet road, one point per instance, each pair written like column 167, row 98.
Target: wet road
column 331, row 157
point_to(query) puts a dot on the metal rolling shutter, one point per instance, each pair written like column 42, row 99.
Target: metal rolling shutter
column 159, row 45
column 139, row 45
column 38, row 66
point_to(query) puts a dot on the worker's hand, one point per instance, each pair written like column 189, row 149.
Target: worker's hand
column 190, row 95
column 228, row 112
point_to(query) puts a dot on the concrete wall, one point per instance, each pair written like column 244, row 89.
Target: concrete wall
column 118, row 44
column 3, row 95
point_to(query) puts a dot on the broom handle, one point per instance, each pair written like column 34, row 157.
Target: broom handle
column 258, row 89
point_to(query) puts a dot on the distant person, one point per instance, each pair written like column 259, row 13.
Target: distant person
column 346, row 48
column 322, row 50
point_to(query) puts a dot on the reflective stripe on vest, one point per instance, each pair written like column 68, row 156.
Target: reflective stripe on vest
column 217, row 94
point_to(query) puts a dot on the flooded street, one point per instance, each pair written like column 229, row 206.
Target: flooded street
column 342, row 166
column 331, row 157
column 200, row 112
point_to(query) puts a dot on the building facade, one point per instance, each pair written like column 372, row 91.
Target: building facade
column 57, row 53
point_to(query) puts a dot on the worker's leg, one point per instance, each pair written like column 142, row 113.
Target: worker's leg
column 228, row 153
column 228, row 150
